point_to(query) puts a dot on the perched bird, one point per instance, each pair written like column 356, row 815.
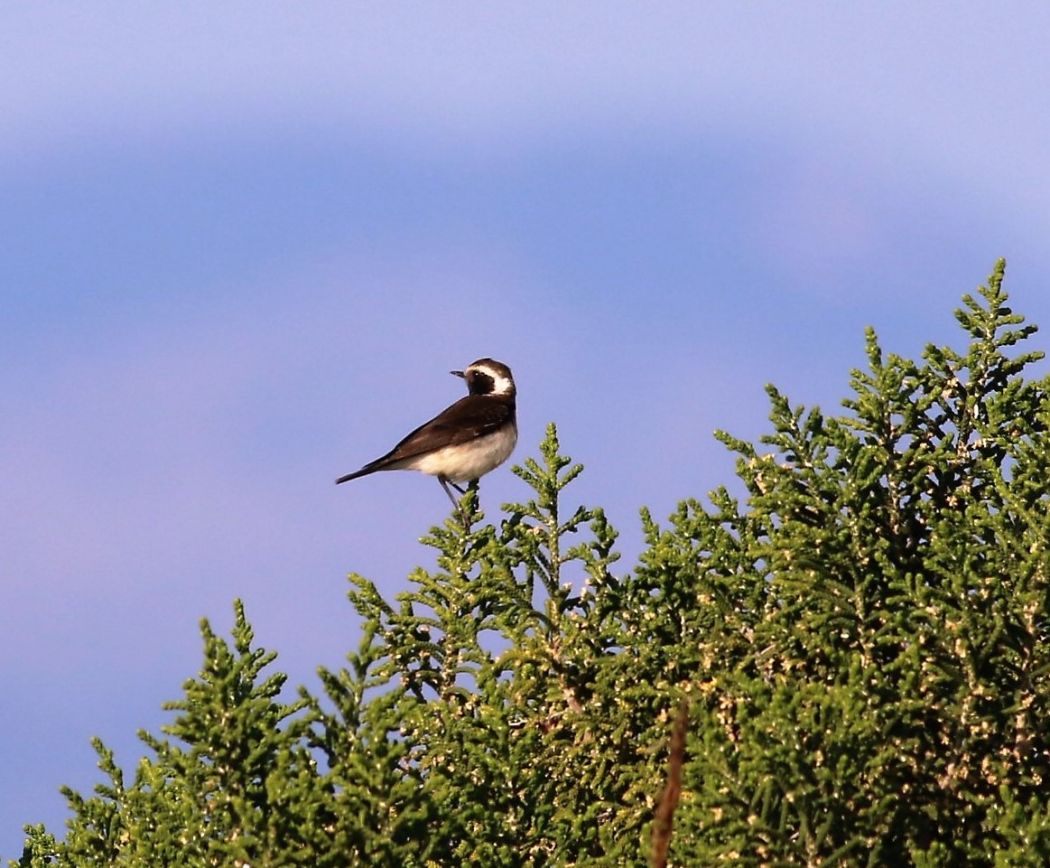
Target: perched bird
column 464, row 441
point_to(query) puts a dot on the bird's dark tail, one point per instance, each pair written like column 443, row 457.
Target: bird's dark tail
column 364, row 471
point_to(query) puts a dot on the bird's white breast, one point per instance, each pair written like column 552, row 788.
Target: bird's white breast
column 468, row 461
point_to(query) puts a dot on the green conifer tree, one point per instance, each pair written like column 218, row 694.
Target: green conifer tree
column 859, row 643
column 885, row 698
column 238, row 788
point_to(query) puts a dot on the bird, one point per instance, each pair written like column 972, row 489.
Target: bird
column 465, row 440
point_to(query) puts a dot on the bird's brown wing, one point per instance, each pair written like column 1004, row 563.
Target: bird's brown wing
column 469, row 418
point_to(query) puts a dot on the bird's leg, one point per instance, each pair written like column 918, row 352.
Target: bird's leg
column 445, row 483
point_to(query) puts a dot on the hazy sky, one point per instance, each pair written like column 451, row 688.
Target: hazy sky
column 242, row 246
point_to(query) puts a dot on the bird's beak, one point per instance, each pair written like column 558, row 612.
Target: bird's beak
column 457, row 374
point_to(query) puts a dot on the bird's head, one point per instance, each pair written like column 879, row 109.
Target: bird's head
column 487, row 377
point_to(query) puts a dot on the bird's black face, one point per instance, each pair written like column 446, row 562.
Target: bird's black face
column 479, row 382
column 487, row 377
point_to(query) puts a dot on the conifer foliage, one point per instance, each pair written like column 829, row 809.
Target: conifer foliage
column 855, row 650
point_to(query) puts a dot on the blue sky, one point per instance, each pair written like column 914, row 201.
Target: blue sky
column 241, row 248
